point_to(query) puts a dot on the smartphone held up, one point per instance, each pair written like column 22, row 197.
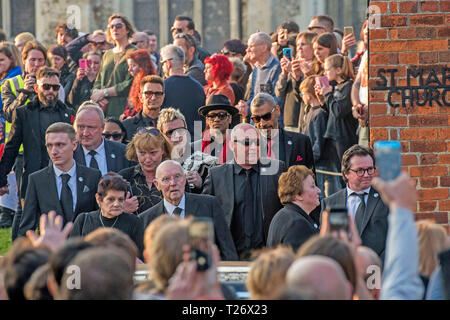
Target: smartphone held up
column 201, row 237
column 389, row 159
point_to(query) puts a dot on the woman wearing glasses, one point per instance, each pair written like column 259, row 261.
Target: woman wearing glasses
column 113, row 82
column 111, row 195
column 149, row 148
column 115, row 131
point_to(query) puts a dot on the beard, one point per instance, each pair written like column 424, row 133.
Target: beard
column 48, row 102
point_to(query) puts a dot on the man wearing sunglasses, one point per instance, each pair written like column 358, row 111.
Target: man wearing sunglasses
column 363, row 202
column 28, row 128
column 93, row 150
column 192, row 65
column 321, row 24
column 290, row 147
column 246, row 188
column 152, row 97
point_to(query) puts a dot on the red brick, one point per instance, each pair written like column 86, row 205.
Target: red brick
column 393, row 6
column 427, row 133
column 427, row 205
column 388, row 121
column 430, row 6
column 382, row 7
column 445, row 181
column 428, row 159
column 409, row 160
column 388, row 46
column 441, row 217
column 444, row 56
column 426, row 20
column 428, row 121
column 428, row 182
column 393, row 134
column 377, row 108
column 444, row 32
column 428, row 171
column 376, row 34
column 426, row 45
column 408, row 58
column 408, row 7
column 428, row 57
column 428, row 146
column 405, row 146
column 377, row 96
column 424, row 216
column 444, row 205
column 383, row 58
column 378, row 134
column 444, row 133
column 445, row 6
column 432, row 194
column 393, row 21
column 409, row 134
column 426, row 33
column 444, row 159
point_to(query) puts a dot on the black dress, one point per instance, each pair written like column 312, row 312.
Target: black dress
column 130, row 224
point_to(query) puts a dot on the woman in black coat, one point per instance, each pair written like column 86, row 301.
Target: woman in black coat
column 299, row 194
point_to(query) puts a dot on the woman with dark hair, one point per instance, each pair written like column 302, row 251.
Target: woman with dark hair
column 111, row 195
column 218, row 69
column 115, row 130
column 58, row 56
column 149, row 147
column 139, row 66
column 324, row 45
column 113, row 82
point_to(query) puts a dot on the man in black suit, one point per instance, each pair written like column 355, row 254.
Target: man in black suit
column 93, row 151
column 28, row 128
column 152, row 97
column 171, row 181
column 358, row 168
column 246, row 189
column 64, row 186
column 290, row 147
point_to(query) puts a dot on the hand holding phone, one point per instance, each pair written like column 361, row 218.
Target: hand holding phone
column 287, row 52
column 201, row 238
column 389, row 159
column 82, row 64
column 348, row 30
column 338, row 219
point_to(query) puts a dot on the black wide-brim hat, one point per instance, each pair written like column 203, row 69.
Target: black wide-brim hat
column 217, row 102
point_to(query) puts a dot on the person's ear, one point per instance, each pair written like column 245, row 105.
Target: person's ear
column 146, row 254
column 36, row 87
column 75, row 145
column 98, row 199
column 277, row 111
column 156, row 183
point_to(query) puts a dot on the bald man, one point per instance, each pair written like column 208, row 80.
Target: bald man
column 170, row 180
column 319, row 276
column 246, row 189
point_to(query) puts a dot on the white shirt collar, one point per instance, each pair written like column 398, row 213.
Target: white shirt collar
column 350, row 191
column 71, row 172
column 100, row 150
column 170, row 207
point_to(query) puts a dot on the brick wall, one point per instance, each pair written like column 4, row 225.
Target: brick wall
column 414, row 36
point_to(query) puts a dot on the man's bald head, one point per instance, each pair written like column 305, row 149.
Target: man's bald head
column 320, row 276
column 141, row 40
column 168, row 164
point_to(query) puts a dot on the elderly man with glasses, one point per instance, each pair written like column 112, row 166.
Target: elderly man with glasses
column 363, row 202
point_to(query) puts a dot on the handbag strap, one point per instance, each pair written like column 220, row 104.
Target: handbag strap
column 116, row 63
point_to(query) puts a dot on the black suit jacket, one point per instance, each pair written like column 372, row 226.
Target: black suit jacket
column 42, row 195
column 115, row 156
column 199, row 205
column 375, row 224
column 25, row 130
column 133, row 123
column 220, row 183
column 291, row 226
column 295, row 149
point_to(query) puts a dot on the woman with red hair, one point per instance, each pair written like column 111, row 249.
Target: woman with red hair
column 139, row 66
column 218, row 69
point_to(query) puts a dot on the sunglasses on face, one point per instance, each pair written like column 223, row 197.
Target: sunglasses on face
column 115, row 136
column 178, row 30
column 220, row 115
column 180, row 131
column 117, row 26
column 150, row 130
column 47, row 86
column 247, row 142
column 149, row 94
column 265, row 117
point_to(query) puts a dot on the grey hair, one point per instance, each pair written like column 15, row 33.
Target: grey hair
column 262, row 37
column 91, row 105
column 263, row 98
column 173, row 162
column 175, row 53
column 239, row 68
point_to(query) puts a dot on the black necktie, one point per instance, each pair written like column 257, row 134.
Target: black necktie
column 248, row 212
column 359, row 215
column 66, row 198
column 93, row 163
column 177, row 211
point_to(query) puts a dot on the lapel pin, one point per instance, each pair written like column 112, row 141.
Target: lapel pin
column 113, row 156
column 289, row 142
column 263, row 169
column 80, row 179
column 375, row 195
column 315, row 226
column 66, row 115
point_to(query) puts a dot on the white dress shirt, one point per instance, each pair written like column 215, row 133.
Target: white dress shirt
column 353, row 201
column 100, row 157
column 170, row 207
column 72, row 182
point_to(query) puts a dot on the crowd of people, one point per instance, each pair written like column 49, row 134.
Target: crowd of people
column 116, row 153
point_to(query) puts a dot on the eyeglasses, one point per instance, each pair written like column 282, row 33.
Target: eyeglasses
column 164, row 61
column 115, row 136
column 150, row 130
column 228, row 53
column 247, row 142
column 148, row 94
column 117, row 26
column 178, row 30
column 166, row 180
column 360, row 172
column 220, row 115
column 47, row 86
column 265, row 117
column 179, row 131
